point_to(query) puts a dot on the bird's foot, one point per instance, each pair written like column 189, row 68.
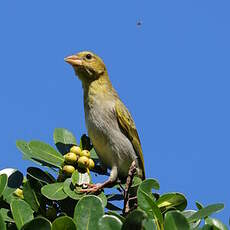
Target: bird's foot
column 93, row 188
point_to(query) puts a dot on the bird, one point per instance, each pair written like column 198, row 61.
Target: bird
column 110, row 125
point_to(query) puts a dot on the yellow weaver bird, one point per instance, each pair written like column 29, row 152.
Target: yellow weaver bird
column 110, row 126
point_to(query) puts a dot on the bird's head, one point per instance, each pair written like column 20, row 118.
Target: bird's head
column 87, row 66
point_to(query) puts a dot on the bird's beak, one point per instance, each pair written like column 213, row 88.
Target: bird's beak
column 73, row 60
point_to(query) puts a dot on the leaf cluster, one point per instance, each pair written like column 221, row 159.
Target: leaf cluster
column 40, row 200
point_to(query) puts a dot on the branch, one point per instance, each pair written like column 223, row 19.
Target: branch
column 129, row 180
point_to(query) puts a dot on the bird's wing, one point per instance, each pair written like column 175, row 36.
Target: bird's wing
column 128, row 127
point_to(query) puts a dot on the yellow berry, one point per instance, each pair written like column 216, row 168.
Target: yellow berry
column 83, row 162
column 68, row 169
column 70, row 158
column 76, row 150
column 19, row 193
column 91, row 164
column 85, row 153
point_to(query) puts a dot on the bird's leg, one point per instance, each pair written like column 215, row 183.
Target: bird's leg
column 93, row 188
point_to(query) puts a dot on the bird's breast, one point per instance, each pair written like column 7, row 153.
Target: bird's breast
column 111, row 145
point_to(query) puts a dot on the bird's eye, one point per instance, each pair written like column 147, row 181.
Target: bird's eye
column 88, row 56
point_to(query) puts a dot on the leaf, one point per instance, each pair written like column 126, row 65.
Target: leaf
column 209, row 227
column 28, row 154
column 85, row 143
column 146, row 187
column 149, row 224
column 46, row 153
column 8, row 194
column 64, row 140
column 206, row 211
column 15, row 177
column 155, row 210
column 172, row 200
column 136, row 181
column 30, row 196
column 64, row 222
column 54, row 191
column 21, row 211
column 2, row 223
column 38, row 223
column 75, row 177
column 108, row 222
column 40, row 175
column 6, row 215
column 24, row 148
column 174, row 220
column 216, row 223
column 3, row 183
column 134, row 220
column 199, row 205
column 69, row 189
column 94, row 155
column 87, row 212
column 187, row 214
column 103, row 199
column 113, row 213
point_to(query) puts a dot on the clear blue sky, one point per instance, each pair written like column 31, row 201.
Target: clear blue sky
column 172, row 72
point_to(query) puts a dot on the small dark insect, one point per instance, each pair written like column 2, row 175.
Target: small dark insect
column 139, row 23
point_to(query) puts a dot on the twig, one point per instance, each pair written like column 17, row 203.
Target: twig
column 129, row 180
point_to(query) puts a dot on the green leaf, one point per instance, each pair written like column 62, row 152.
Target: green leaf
column 24, row 148
column 2, row 223
column 134, row 220
column 30, row 196
column 113, row 213
column 93, row 154
column 69, row 189
column 75, row 177
column 3, row 183
column 39, row 223
column 64, row 140
column 6, row 215
column 40, row 175
column 54, row 191
column 87, row 213
column 46, row 153
column 108, row 222
column 206, row 211
column 136, row 181
column 64, row 222
column 216, row 223
column 149, row 224
column 187, row 214
column 155, row 210
column 174, row 220
column 8, row 194
column 146, row 202
column 103, row 198
column 29, row 155
column 209, row 227
column 21, row 211
column 199, row 205
column 172, row 200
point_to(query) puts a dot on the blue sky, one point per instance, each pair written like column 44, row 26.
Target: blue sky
column 172, row 72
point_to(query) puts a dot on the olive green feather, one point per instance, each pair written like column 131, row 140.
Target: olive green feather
column 129, row 129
